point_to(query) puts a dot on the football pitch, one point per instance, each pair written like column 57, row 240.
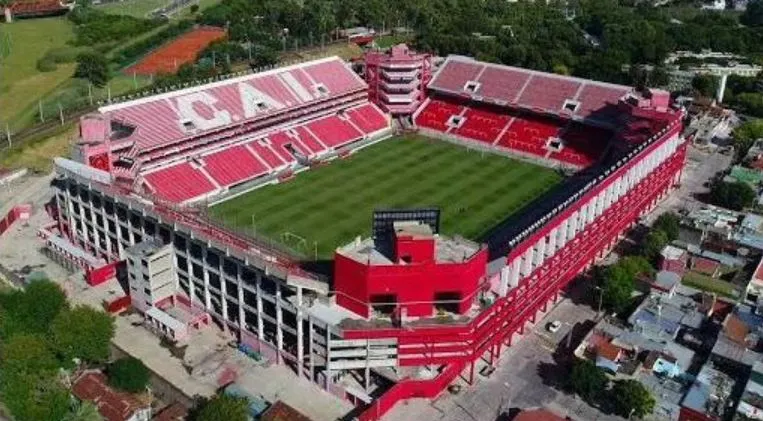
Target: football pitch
column 329, row 206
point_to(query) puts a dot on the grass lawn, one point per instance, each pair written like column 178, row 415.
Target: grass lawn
column 334, row 204
column 137, row 8
column 390, row 40
column 37, row 154
column 22, row 43
column 710, row 284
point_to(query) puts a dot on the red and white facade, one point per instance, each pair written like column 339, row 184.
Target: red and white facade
column 397, row 79
column 290, row 315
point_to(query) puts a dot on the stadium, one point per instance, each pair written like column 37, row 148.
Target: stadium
column 399, row 227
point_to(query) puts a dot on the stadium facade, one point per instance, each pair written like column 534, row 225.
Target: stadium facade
column 419, row 303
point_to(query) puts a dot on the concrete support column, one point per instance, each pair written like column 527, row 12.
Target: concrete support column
column 561, row 240
column 279, row 321
column 207, row 294
column 240, row 298
column 223, row 290
column 300, row 334
column 572, row 227
column 551, row 247
column 527, row 261
column 311, row 350
column 189, row 270
column 260, row 323
column 540, row 252
column 515, row 273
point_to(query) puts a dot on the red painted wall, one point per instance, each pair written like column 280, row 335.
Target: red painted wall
column 687, row 414
column 415, row 285
column 417, row 250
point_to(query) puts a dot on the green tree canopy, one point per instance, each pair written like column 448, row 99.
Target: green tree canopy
column 84, row 333
column 670, row 224
column 631, row 397
column 732, row 195
column 587, row 381
column 34, row 398
column 128, row 374
column 753, row 15
column 221, row 408
column 94, row 67
column 707, row 85
column 653, row 244
column 618, row 286
column 746, row 134
column 28, row 354
column 84, row 411
column 31, row 310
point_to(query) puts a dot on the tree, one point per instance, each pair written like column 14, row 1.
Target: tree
column 93, row 67
column 653, row 244
column 34, row 398
column 221, row 408
column 128, row 374
column 746, row 134
column 735, row 195
column 30, row 310
column 670, row 224
column 84, row 411
column 706, row 85
column 83, row 333
column 587, row 380
column 617, row 288
column 631, row 398
column 194, row 8
column 28, row 354
column 753, row 15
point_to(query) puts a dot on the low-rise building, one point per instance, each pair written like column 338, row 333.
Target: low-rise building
column 753, row 294
column 113, row 405
column 739, row 341
column 708, row 397
column 751, row 402
column 673, row 259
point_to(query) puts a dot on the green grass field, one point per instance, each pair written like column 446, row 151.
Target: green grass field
column 22, row 43
column 331, row 205
column 137, row 8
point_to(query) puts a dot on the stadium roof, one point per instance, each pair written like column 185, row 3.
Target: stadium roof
column 546, row 92
column 160, row 120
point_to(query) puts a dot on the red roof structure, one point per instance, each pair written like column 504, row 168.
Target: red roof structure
column 538, row 415
column 112, row 405
column 280, row 411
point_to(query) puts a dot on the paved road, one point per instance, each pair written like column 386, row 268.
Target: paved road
column 527, row 376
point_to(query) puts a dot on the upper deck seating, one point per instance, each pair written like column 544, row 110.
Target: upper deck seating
column 456, row 74
column 548, row 93
column 503, row 84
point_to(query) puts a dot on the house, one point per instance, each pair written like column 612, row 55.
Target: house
column 113, row 405
column 749, row 176
column 751, row 402
column 666, row 281
column 706, row 266
column 708, row 396
column 608, row 355
column 538, row 415
column 753, row 294
column 173, row 412
column 673, row 259
column 739, row 343
column 280, row 411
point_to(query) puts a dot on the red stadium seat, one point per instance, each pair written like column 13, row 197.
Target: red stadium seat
column 179, row 183
column 233, row 165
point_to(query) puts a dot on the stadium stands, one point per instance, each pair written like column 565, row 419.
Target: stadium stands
column 35, row 8
column 576, row 144
column 523, row 88
column 234, row 165
column 179, row 183
column 188, row 144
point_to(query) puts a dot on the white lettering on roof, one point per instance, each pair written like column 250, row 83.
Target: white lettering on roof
column 254, row 101
column 297, row 87
column 186, row 111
